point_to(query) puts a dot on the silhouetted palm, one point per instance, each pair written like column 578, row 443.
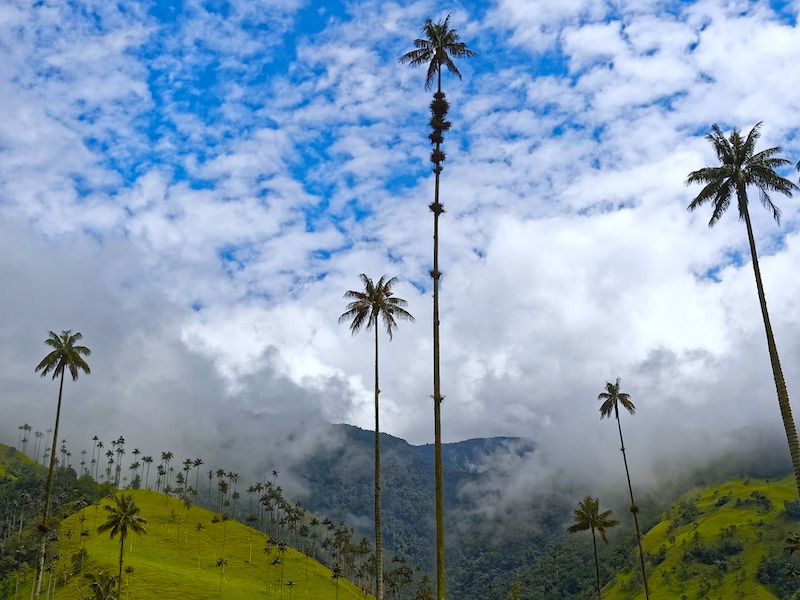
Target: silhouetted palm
column 589, row 517
column 64, row 356
column 123, row 519
column 376, row 302
column 742, row 167
column 611, row 400
column 435, row 49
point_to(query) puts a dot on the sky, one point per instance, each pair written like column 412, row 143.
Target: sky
column 194, row 185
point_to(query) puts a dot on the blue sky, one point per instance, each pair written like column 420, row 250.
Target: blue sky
column 194, row 185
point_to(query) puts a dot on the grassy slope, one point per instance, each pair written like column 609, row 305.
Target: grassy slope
column 10, row 456
column 165, row 560
column 760, row 530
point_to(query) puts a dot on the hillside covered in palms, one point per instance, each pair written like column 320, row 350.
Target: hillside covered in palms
column 186, row 552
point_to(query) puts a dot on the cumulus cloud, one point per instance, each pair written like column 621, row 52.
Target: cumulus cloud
column 195, row 191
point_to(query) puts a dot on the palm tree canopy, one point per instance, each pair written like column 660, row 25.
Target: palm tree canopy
column 589, row 517
column 377, row 301
column 65, row 355
column 436, row 49
column 123, row 517
column 102, row 587
column 740, row 166
column 612, row 398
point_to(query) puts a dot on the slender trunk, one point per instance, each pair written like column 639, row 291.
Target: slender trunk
column 437, row 209
column 634, row 508
column 378, row 536
column 777, row 371
column 121, row 553
column 43, row 529
column 596, row 563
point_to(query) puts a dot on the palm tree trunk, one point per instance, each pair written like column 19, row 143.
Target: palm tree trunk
column 43, row 530
column 596, row 563
column 634, row 508
column 437, row 209
column 777, row 372
column 121, row 554
column 378, row 537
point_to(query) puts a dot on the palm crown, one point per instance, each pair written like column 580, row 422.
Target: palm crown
column 436, row 48
column 612, row 398
column 65, row 355
column 740, row 167
column 589, row 517
column 377, row 301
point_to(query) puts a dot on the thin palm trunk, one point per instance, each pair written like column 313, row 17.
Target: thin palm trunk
column 378, row 536
column 121, row 554
column 777, row 371
column 634, row 508
column 596, row 563
column 47, row 492
column 437, row 209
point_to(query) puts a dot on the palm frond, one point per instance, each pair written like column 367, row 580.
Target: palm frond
column 439, row 44
column 65, row 355
column 376, row 302
column 612, row 398
column 740, row 167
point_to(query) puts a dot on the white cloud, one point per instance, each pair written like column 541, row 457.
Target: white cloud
column 196, row 195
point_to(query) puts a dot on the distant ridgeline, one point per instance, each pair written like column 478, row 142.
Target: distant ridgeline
column 479, row 555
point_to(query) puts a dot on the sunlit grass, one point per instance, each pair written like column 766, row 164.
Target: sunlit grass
column 760, row 529
column 176, row 560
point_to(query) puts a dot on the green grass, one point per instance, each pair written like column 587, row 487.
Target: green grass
column 10, row 457
column 728, row 511
column 173, row 560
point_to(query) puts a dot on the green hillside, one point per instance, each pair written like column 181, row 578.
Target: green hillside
column 178, row 559
column 10, row 460
column 720, row 542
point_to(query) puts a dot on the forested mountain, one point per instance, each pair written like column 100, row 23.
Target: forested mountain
column 489, row 550
column 482, row 552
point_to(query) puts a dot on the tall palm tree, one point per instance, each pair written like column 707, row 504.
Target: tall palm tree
column 123, row 518
column 64, row 356
column 589, row 517
column 147, row 460
column 97, row 464
column 611, row 400
column 197, row 463
column 376, row 302
column 742, row 167
column 436, row 49
column 38, row 435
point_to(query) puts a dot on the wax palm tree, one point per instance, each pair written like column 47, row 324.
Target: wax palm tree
column 611, row 400
column 742, row 167
column 64, row 356
column 147, row 460
column 197, row 463
column 123, row 518
column 792, row 546
column 336, row 574
column 436, row 49
column 97, row 464
column 376, row 302
column 589, row 517
column 102, row 586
